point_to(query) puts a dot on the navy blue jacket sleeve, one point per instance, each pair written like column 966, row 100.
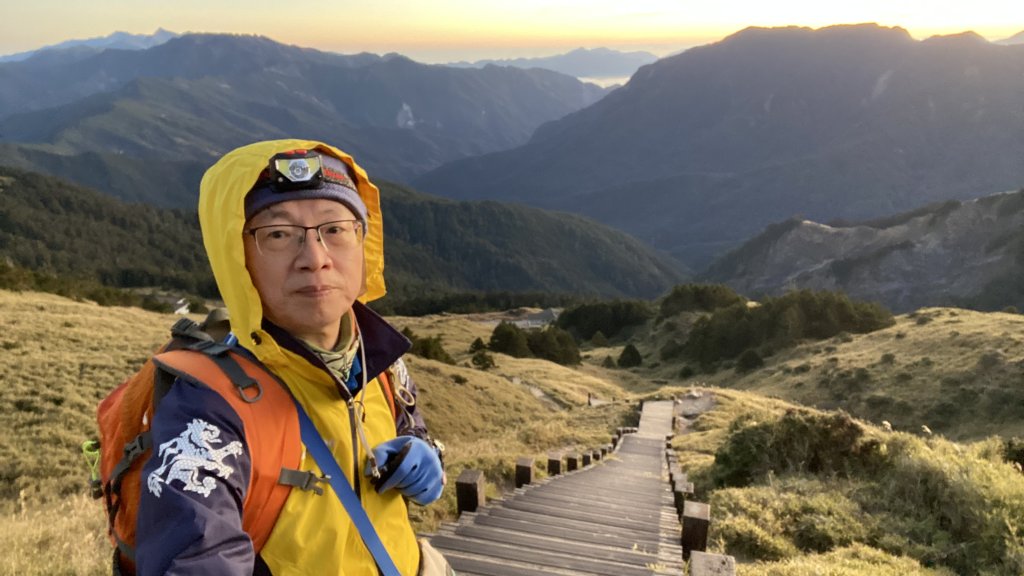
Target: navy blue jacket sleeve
column 193, row 486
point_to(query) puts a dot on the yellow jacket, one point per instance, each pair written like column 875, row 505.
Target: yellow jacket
column 313, row 534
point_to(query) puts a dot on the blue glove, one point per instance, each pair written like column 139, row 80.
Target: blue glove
column 412, row 467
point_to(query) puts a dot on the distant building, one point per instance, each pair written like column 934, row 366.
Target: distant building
column 538, row 319
column 181, row 306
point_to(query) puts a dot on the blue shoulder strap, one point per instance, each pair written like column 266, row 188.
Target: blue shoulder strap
column 329, row 466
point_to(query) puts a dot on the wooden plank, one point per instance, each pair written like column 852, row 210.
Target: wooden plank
column 629, row 534
column 639, row 524
column 604, row 536
column 573, row 562
column 560, row 545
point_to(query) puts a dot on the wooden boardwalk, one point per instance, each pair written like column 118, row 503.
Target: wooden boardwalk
column 615, row 517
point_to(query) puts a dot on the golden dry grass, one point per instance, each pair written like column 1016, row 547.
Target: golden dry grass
column 956, row 371
column 939, row 501
column 59, row 357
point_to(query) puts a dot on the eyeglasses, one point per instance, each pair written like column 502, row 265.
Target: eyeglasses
column 277, row 239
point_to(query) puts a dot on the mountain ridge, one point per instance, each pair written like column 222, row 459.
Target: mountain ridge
column 947, row 254
column 435, row 246
column 116, row 40
column 197, row 96
column 712, row 145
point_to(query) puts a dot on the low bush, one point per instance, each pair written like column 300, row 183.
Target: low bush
column 630, row 357
column 609, row 318
column 780, row 322
column 800, row 441
column 698, row 298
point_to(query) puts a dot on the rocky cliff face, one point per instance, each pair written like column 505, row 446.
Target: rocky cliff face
column 969, row 253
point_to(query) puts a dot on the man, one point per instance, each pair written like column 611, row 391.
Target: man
column 294, row 236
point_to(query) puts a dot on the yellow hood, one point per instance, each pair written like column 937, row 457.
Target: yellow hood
column 222, row 218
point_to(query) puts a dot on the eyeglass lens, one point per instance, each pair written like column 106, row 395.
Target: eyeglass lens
column 278, row 238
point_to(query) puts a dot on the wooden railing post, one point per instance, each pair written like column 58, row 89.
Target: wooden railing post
column 572, row 462
column 704, row 564
column 524, row 471
column 554, row 464
column 469, row 491
column 696, row 517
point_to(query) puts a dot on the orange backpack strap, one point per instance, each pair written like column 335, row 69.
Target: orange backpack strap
column 270, row 423
column 384, row 378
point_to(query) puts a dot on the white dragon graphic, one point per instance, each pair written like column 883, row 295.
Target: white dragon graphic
column 188, row 454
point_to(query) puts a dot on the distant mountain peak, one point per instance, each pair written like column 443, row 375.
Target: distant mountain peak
column 116, row 40
column 968, row 37
column 1017, row 38
column 864, row 29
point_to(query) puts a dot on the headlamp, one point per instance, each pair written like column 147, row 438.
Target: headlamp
column 296, row 170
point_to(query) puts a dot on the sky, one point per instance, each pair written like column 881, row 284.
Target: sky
column 449, row 30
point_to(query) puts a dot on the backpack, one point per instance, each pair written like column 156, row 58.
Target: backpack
column 125, row 415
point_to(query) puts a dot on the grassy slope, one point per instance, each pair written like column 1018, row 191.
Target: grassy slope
column 956, row 371
column 58, row 357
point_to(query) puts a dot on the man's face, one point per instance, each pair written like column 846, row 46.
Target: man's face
column 306, row 289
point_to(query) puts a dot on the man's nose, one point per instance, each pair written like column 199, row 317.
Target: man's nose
column 312, row 251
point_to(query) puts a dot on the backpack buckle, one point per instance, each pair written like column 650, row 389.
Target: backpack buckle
column 135, row 447
column 303, row 480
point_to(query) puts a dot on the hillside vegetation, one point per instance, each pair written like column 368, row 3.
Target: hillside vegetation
column 59, row 357
column 794, row 490
column 703, row 149
column 59, row 237
column 959, row 372
column 184, row 102
column 968, row 254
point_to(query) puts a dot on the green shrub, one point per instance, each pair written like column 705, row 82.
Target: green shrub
column 609, row 318
column 671, row 350
column 743, row 537
column 608, row 362
column 749, row 360
column 630, row 357
column 790, row 516
column 477, row 344
column 1013, row 451
column 698, row 297
column 798, row 442
column 599, row 339
column 429, row 347
column 553, row 344
column 779, row 323
column 482, row 360
column 508, row 338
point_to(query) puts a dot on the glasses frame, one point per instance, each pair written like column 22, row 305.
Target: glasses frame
column 357, row 229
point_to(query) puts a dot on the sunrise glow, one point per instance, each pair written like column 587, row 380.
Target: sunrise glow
column 449, row 30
